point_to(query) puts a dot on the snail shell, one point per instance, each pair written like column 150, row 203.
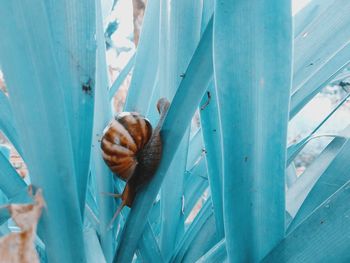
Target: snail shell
column 123, row 139
column 133, row 151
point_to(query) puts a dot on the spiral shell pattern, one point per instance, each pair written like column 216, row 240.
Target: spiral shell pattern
column 122, row 140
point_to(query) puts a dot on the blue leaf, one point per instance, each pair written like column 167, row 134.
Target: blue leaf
column 329, row 181
column 216, row 254
column 43, row 123
column 322, row 237
column 180, row 113
column 146, row 62
column 252, row 66
column 199, row 238
column 297, row 193
column 121, row 77
column 7, row 125
column 73, row 37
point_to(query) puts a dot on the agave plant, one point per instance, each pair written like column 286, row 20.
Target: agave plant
column 224, row 191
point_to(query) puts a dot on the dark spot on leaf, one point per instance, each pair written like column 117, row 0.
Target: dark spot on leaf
column 246, row 158
column 87, row 87
column 344, row 84
column 183, row 75
column 207, row 102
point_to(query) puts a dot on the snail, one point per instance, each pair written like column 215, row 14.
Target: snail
column 133, row 151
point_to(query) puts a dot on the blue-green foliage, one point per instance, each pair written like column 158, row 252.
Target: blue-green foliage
column 252, row 64
column 220, row 192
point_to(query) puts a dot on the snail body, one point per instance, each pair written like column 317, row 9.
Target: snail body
column 132, row 150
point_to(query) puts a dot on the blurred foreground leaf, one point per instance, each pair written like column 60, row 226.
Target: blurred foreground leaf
column 19, row 246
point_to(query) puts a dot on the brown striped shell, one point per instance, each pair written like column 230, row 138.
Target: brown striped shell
column 122, row 140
